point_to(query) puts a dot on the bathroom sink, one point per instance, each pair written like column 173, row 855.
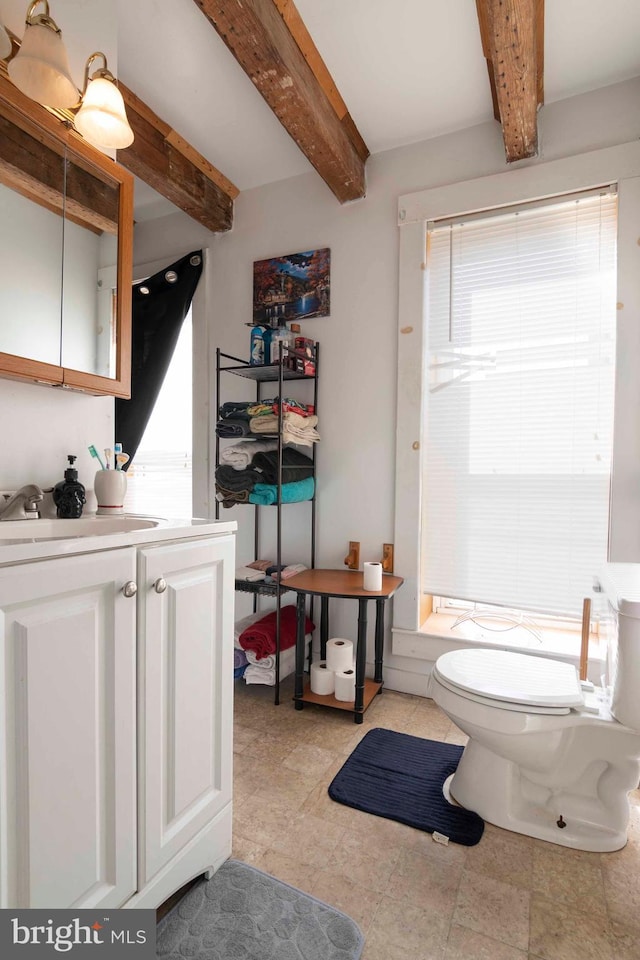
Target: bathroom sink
column 16, row 531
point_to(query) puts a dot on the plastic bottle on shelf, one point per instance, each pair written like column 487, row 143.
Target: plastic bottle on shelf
column 266, row 339
column 281, row 335
column 256, row 351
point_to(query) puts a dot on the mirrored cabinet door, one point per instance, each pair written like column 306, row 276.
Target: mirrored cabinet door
column 31, row 240
column 90, row 256
column 66, row 232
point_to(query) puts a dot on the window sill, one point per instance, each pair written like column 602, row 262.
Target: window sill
column 436, row 637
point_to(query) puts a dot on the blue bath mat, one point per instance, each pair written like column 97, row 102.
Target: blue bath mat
column 244, row 914
column 400, row 777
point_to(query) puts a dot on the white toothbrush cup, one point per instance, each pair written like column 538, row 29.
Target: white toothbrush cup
column 110, row 487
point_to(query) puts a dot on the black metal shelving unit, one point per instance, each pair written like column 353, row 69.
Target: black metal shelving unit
column 262, row 374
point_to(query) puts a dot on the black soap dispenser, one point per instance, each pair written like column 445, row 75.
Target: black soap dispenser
column 69, row 495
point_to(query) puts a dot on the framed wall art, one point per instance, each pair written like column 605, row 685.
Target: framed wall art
column 293, row 287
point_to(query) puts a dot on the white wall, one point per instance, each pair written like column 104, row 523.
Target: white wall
column 41, row 424
column 358, row 342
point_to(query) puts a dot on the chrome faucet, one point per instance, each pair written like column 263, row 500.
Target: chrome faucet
column 22, row 505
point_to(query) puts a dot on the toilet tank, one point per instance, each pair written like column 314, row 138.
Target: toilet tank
column 620, row 585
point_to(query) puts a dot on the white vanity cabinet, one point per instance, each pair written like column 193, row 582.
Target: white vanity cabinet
column 185, row 684
column 68, row 777
column 116, row 700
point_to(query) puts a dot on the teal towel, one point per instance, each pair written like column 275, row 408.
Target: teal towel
column 267, row 493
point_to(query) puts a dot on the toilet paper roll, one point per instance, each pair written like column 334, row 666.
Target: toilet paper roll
column 372, row 577
column 346, row 685
column 322, row 679
column 339, row 654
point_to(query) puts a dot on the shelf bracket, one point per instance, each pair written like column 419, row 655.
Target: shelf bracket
column 352, row 560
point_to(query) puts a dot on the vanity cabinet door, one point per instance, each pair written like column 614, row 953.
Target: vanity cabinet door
column 185, row 626
column 67, row 732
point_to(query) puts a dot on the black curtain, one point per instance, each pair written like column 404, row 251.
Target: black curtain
column 159, row 307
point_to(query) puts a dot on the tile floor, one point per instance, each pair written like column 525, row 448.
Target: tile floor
column 508, row 898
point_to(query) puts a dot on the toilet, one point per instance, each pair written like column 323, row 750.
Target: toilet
column 549, row 756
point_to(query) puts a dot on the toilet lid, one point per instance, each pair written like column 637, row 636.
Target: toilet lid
column 513, row 677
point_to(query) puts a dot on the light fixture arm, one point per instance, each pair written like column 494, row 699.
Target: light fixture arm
column 42, row 19
column 103, row 72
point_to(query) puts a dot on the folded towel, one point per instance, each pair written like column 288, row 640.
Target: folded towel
column 241, row 625
column 269, row 423
column 232, row 427
column 260, row 409
column 256, row 673
column 291, row 569
column 261, row 564
column 240, row 659
column 295, row 465
column 232, row 479
column 240, row 671
column 261, row 635
column 238, row 409
column 239, row 455
column 291, row 433
column 266, row 493
column 229, row 498
column 247, row 573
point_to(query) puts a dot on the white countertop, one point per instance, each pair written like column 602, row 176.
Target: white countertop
column 21, row 550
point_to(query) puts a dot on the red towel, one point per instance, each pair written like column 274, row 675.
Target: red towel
column 261, row 635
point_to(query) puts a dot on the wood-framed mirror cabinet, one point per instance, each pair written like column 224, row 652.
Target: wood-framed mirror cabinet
column 66, row 242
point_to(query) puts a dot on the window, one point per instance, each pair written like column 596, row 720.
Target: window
column 159, row 482
column 519, row 394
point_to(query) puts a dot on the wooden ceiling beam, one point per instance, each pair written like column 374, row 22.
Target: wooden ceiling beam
column 33, row 164
column 169, row 164
column 512, row 33
column 273, row 47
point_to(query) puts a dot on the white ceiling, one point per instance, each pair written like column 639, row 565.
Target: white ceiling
column 408, row 70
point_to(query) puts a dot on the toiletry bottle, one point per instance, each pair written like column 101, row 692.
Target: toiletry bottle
column 266, row 339
column 280, row 335
column 256, row 352
column 69, row 495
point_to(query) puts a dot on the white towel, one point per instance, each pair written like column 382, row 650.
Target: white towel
column 240, row 455
column 249, row 573
column 257, row 673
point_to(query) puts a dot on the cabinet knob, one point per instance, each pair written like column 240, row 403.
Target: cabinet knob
column 130, row 588
column 160, row 585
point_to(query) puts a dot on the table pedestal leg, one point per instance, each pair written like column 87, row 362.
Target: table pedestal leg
column 361, row 659
column 324, row 626
column 300, row 641
column 377, row 676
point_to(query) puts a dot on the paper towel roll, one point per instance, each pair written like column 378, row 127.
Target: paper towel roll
column 339, row 654
column 372, row 577
column 345, row 685
column 322, row 679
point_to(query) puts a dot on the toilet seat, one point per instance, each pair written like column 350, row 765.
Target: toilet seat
column 511, row 681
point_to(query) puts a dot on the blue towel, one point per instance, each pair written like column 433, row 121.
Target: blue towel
column 267, row 493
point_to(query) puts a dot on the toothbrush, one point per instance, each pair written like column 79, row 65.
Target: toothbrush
column 121, row 459
column 94, row 453
column 108, row 453
column 117, row 448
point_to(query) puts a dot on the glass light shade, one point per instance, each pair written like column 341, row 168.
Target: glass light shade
column 102, row 119
column 5, row 43
column 41, row 68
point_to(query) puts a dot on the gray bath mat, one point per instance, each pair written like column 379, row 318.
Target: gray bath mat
column 244, row 914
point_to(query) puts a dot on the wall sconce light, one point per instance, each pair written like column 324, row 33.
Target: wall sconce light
column 102, row 118
column 40, row 70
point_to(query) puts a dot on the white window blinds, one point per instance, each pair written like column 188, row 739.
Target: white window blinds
column 519, row 407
